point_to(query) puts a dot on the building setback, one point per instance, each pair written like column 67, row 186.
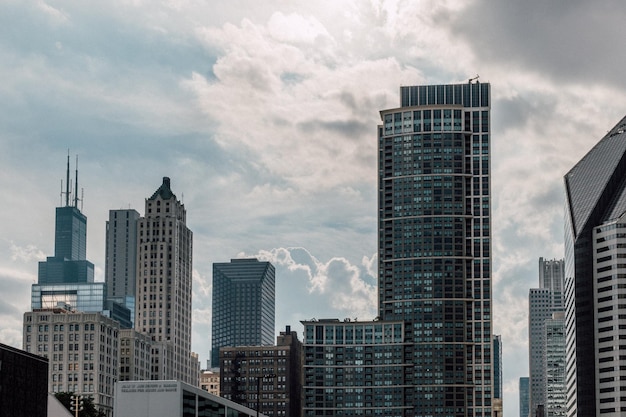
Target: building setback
column 434, row 247
column 595, row 278
column 273, row 372
column 163, row 292
column 244, row 298
column 82, row 350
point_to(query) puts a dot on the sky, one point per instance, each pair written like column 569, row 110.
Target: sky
column 264, row 115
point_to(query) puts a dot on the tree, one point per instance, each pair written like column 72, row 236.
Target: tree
column 89, row 408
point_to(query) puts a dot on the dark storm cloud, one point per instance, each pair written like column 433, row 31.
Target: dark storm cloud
column 570, row 41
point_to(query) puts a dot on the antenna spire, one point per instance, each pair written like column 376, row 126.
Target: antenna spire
column 76, row 185
column 67, row 181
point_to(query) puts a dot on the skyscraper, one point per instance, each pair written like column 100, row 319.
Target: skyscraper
column 595, row 278
column 524, row 396
column 244, row 308
column 163, row 296
column 121, row 257
column 69, row 263
column 435, row 243
column 542, row 303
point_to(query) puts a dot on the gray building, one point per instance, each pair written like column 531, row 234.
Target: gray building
column 82, row 350
column 244, row 305
column 121, row 258
column 358, row 368
column 135, row 356
column 273, row 372
column 542, row 303
column 164, row 281
column 595, row 278
column 524, row 396
column 434, row 243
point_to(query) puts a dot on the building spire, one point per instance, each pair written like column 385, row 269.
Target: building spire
column 76, row 185
column 67, row 181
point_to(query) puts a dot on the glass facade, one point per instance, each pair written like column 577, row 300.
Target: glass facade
column 355, row 368
column 89, row 297
column 244, row 298
column 70, row 234
column 435, row 243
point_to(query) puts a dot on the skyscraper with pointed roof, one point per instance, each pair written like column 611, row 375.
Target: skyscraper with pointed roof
column 595, row 278
column 164, row 279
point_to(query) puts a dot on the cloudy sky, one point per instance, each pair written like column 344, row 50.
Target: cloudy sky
column 264, row 115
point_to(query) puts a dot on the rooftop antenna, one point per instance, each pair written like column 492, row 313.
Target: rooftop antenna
column 67, row 181
column 82, row 198
column 76, row 185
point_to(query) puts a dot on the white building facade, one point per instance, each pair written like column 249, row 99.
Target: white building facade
column 82, row 349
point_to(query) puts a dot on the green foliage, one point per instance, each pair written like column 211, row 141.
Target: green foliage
column 89, row 408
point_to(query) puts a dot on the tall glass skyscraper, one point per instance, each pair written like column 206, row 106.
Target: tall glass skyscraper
column 435, row 243
column 69, row 263
column 244, row 305
column 595, row 278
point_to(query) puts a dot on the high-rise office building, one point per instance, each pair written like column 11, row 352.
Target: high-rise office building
column 435, row 243
column 163, row 295
column 121, row 257
column 67, row 278
column 244, row 308
column 555, row 365
column 69, row 263
column 524, row 396
column 542, row 303
column 595, row 278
